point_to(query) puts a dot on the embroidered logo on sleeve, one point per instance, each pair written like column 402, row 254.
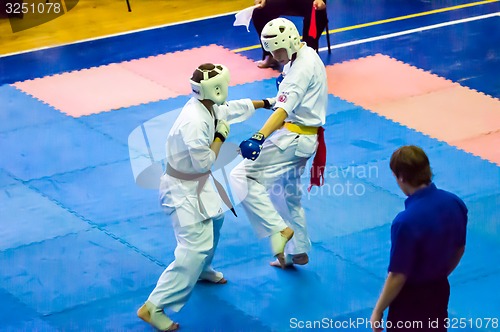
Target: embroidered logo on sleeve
column 282, row 98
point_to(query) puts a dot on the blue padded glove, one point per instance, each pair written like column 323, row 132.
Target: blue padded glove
column 279, row 79
column 250, row 148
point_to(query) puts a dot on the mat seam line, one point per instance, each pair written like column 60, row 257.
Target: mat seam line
column 94, row 225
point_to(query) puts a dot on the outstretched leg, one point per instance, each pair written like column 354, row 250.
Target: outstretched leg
column 175, row 285
column 254, row 181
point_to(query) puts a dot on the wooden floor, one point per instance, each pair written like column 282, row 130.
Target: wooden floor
column 95, row 18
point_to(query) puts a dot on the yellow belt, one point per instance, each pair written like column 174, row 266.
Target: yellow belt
column 299, row 129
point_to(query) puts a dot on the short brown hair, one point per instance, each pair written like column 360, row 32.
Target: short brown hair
column 412, row 165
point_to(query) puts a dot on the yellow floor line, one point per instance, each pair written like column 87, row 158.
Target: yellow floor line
column 389, row 20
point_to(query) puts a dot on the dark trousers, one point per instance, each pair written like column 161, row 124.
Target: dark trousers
column 276, row 8
column 426, row 303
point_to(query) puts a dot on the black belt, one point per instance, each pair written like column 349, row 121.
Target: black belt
column 202, row 179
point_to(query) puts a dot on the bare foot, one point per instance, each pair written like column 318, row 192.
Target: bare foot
column 174, row 327
column 213, row 277
column 300, row 259
column 278, row 243
column 222, row 281
column 276, row 263
column 144, row 314
column 281, row 260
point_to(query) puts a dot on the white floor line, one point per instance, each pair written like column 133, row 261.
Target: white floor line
column 407, row 32
column 115, row 35
column 355, row 42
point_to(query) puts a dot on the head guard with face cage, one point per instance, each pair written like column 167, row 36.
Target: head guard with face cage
column 280, row 33
column 213, row 84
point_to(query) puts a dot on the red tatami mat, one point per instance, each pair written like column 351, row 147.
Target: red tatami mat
column 449, row 115
column 94, row 90
column 136, row 82
column 173, row 70
column 485, row 146
column 379, row 79
column 430, row 104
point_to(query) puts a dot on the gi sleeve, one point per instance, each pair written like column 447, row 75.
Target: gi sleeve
column 293, row 89
column 198, row 141
column 235, row 111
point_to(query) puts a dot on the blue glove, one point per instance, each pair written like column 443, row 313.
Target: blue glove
column 250, row 148
column 279, row 79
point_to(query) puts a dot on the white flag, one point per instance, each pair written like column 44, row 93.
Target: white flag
column 244, row 17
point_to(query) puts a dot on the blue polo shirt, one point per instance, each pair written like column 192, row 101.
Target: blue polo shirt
column 427, row 234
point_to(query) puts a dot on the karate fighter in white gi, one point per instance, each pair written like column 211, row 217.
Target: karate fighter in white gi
column 296, row 125
column 187, row 193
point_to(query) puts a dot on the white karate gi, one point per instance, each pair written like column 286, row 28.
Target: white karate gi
column 196, row 229
column 303, row 94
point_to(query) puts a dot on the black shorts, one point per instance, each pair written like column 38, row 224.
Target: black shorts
column 420, row 307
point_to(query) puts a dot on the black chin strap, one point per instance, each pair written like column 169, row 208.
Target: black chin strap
column 294, row 56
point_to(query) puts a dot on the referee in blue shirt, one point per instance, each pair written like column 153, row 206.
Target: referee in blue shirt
column 428, row 241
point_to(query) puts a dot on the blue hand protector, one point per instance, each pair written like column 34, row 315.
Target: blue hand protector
column 250, row 148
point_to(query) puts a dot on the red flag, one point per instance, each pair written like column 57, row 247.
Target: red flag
column 319, row 161
column 313, row 33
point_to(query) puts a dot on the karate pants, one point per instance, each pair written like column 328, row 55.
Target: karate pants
column 196, row 245
column 260, row 184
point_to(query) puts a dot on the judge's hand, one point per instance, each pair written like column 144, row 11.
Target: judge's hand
column 262, row 3
column 318, row 4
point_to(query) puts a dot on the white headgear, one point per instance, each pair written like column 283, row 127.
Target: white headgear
column 213, row 88
column 280, row 33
